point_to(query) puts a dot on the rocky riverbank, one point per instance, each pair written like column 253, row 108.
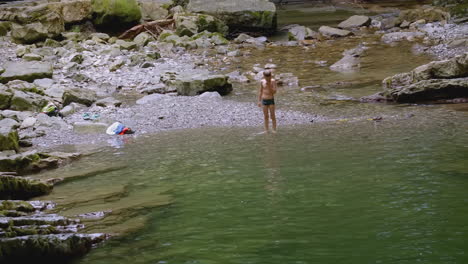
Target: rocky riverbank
column 167, row 76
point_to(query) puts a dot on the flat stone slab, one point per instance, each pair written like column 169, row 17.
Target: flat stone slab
column 334, row 32
column 26, row 71
column 355, row 21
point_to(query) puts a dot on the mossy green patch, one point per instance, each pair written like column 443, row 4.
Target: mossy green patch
column 22, row 188
column 115, row 13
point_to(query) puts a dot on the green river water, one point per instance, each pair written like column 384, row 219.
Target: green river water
column 348, row 190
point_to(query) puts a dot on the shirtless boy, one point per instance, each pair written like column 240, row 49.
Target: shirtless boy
column 266, row 99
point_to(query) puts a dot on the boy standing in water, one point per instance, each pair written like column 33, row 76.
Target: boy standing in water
column 266, row 99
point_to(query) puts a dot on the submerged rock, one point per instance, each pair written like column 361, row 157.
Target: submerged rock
column 400, row 36
column 334, row 32
column 351, row 60
column 45, row 237
column 241, row 15
column 437, row 80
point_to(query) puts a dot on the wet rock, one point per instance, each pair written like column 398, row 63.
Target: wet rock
column 82, row 96
column 26, row 71
column 437, row 80
column 334, row 32
column 200, row 83
column 13, row 187
column 115, row 14
column 299, row 33
column 400, row 36
column 355, row 21
column 245, row 15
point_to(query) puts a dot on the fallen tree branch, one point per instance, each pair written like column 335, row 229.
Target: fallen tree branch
column 155, row 27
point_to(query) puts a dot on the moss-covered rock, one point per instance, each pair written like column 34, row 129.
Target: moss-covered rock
column 5, row 97
column 5, row 26
column 244, row 15
column 59, row 247
column 12, row 187
column 9, row 140
column 115, row 14
column 198, row 84
column 82, row 96
column 457, row 8
column 429, row 14
column 437, row 80
column 191, row 24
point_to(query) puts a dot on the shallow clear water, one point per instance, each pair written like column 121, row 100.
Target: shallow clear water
column 343, row 192
column 351, row 190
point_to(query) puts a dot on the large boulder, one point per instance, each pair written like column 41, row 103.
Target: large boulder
column 81, row 96
column 26, row 71
column 191, row 24
column 199, row 83
column 239, row 15
column 430, row 14
column 355, row 21
column 152, row 10
column 115, row 14
column 437, row 80
column 334, row 32
column 75, row 11
column 37, row 23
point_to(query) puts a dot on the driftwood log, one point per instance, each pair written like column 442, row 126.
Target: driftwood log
column 153, row 27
